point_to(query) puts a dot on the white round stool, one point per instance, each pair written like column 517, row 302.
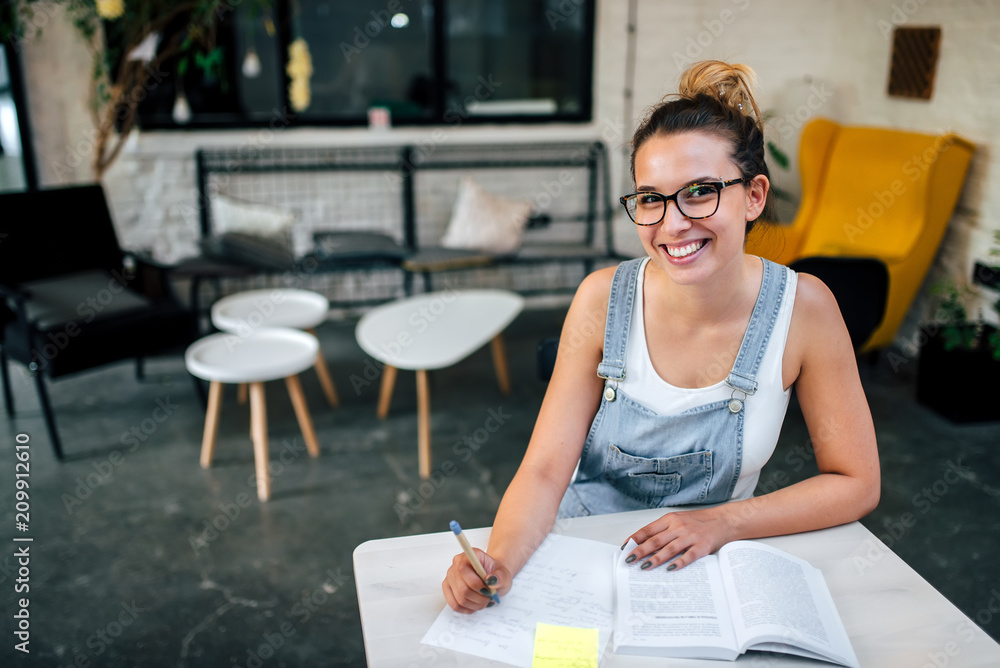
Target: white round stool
column 267, row 354
column 245, row 312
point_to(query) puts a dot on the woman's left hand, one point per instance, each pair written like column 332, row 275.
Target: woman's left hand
column 691, row 534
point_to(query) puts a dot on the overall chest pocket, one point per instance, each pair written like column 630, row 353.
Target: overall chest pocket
column 661, row 481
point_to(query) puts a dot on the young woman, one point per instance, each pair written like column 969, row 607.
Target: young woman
column 694, row 367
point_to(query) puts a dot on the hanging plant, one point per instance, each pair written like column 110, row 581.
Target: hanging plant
column 151, row 33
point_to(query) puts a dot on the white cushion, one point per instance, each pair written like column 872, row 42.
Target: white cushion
column 485, row 222
column 233, row 215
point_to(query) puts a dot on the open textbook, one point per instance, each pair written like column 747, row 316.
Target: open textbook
column 748, row 596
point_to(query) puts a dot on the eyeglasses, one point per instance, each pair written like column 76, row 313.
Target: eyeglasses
column 695, row 201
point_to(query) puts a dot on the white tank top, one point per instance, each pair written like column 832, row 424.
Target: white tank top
column 765, row 410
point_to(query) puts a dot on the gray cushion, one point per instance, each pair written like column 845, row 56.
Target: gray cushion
column 83, row 296
column 333, row 246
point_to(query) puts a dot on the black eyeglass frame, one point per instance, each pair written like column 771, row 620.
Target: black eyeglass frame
column 719, row 185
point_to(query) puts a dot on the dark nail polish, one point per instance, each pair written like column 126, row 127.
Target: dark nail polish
column 648, row 564
column 484, row 591
column 491, row 580
column 671, row 567
column 623, row 545
column 490, row 604
column 629, row 559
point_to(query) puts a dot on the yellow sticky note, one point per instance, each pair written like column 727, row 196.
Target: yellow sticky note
column 564, row 647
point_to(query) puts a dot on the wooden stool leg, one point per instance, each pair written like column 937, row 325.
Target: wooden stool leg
column 385, row 392
column 241, row 393
column 258, row 426
column 324, row 377
column 211, row 423
column 500, row 363
column 302, row 413
column 423, row 424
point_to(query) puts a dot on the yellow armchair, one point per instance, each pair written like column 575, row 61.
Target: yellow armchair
column 872, row 193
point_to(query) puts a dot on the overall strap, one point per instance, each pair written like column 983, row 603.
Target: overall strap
column 765, row 311
column 612, row 366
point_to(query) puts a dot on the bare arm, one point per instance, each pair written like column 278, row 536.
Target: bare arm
column 820, row 360
column 528, row 509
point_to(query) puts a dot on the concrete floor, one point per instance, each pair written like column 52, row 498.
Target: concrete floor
column 140, row 557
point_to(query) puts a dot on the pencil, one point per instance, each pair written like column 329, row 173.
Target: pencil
column 473, row 559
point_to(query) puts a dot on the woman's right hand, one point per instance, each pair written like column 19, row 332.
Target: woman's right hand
column 463, row 588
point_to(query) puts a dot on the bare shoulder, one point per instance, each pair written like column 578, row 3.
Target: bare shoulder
column 596, row 286
column 817, row 326
column 588, row 312
column 814, row 300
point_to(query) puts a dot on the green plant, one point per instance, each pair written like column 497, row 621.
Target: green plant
column 779, row 158
column 994, row 338
column 958, row 331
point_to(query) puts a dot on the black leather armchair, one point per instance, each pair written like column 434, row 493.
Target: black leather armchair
column 72, row 299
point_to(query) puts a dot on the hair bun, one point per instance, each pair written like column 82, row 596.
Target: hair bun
column 731, row 84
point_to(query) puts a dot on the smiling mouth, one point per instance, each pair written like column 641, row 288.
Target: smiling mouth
column 684, row 251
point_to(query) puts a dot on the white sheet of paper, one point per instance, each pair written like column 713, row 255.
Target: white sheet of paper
column 566, row 582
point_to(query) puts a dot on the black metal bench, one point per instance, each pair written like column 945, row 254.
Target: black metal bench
column 369, row 219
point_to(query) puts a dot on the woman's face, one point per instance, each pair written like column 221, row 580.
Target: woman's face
column 690, row 251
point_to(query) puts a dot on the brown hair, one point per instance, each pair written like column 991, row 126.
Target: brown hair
column 717, row 98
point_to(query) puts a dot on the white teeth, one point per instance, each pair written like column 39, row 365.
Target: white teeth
column 684, row 251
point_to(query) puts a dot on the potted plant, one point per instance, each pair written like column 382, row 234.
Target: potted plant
column 960, row 361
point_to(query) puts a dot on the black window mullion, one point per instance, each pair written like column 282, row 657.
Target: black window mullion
column 587, row 77
column 439, row 58
column 285, row 37
column 19, row 92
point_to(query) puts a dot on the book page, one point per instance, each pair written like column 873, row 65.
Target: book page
column 565, row 583
column 681, row 613
column 779, row 599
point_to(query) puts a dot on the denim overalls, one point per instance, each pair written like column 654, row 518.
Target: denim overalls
column 634, row 458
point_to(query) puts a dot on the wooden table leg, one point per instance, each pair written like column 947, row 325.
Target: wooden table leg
column 385, row 392
column 423, row 424
column 500, row 363
column 258, row 426
column 302, row 413
column 211, row 423
column 241, row 393
column 324, row 377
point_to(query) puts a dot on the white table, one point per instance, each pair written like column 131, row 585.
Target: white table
column 433, row 331
column 244, row 313
column 895, row 619
column 267, row 354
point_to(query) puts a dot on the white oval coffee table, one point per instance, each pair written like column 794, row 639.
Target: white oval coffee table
column 266, row 354
column 433, row 331
column 245, row 312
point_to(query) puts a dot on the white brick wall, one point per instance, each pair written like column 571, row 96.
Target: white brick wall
column 838, row 47
column 841, row 49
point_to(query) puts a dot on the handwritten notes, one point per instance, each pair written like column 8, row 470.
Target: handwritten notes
column 565, row 647
column 565, row 583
